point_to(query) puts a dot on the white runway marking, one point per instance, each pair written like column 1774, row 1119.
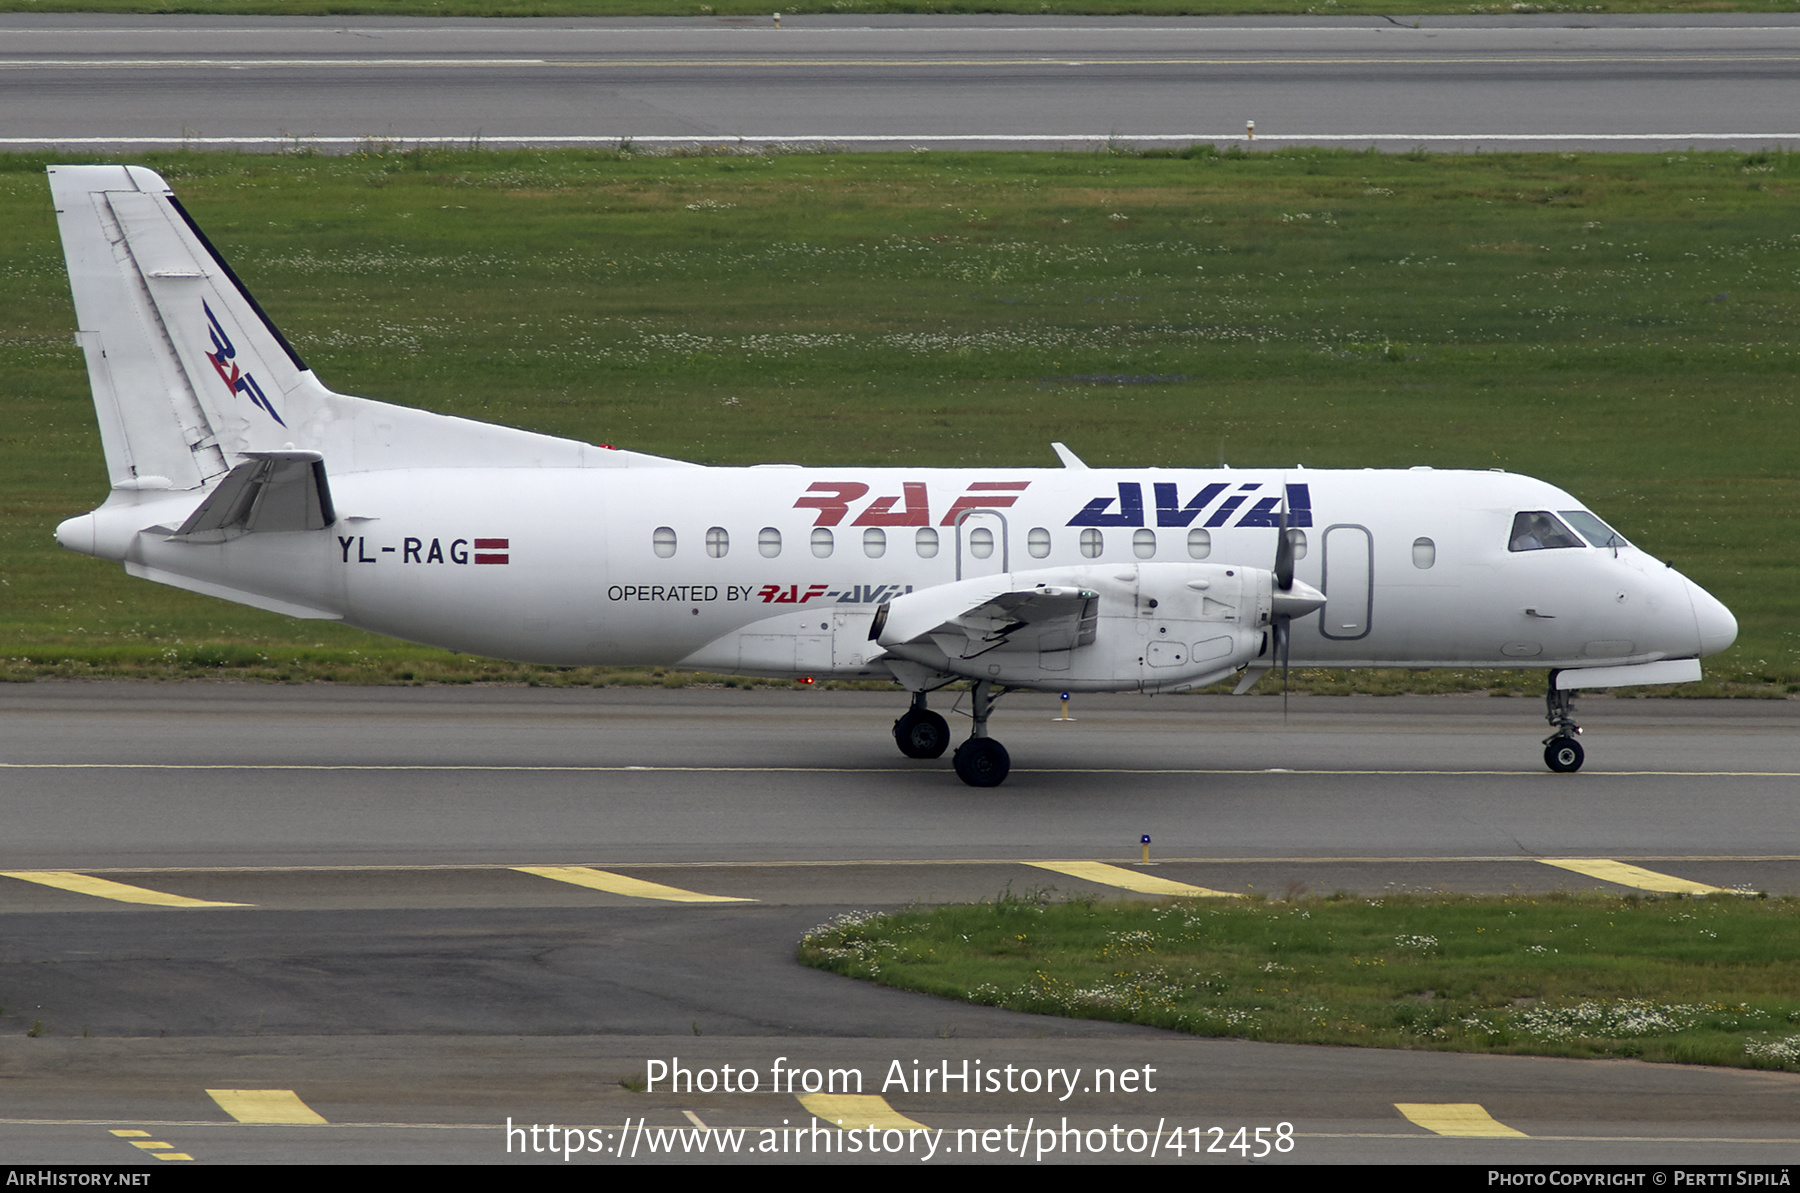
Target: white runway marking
column 790, row 62
column 969, row 139
column 872, row 770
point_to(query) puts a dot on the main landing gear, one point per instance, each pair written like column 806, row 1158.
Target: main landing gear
column 921, row 733
column 980, row 761
column 1562, row 753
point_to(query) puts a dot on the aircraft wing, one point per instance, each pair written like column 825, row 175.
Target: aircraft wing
column 966, row 624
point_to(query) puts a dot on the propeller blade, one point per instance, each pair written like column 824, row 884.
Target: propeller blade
column 1284, row 552
column 1284, row 636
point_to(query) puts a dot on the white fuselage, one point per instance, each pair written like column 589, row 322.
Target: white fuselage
column 780, row 570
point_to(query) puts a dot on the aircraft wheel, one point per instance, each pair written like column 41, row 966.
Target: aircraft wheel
column 982, row 762
column 1564, row 755
column 922, row 734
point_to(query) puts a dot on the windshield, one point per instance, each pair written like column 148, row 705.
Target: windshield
column 1539, row 530
column 1593, row 529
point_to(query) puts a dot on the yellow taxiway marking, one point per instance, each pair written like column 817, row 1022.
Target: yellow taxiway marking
column 1131, row 880
column 1466, row 1119
column 1637, row 876
column 156, row 1147
column 618, row 884
column 845, row 863
column 695, row 1119
column 264, row 1106
column 106, row 888
column 853, row 1112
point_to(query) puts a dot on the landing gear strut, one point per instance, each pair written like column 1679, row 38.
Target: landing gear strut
column 981, row 761
column 921, row 733
column 1562, row 753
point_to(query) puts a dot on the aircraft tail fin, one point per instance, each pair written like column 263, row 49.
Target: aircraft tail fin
column 192, row 379
column 188, row 372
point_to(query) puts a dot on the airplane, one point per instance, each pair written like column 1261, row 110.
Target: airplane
column 236, row 473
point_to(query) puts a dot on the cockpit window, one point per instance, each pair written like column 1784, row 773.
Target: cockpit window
column 1593, row 529
column 1538, row 530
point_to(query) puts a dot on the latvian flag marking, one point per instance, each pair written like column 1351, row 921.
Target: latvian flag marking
column 485, row 545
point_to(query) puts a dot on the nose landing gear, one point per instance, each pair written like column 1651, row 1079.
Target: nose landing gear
column 1562, row 753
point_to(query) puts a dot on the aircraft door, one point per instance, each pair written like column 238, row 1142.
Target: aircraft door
column 1348, row 581
column 981, row 546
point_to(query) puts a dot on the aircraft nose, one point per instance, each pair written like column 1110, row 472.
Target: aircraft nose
column 1718, row 628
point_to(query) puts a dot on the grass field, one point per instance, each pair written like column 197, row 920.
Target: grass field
column 1623, row 326
column 1696, row 981
column 764, row 9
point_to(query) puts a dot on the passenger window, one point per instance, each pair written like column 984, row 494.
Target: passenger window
column 1298, row 538
column 981, row 542
column 1143, row 543
column 663, row 541
column 874, row 542
column 821, row 542
column 1038, row 542
column 1424, row 554
column 1199, row 543
column 1538, row 530
column 717, row 542
column 927, row 542
column 768, row 541
column 1092, row 543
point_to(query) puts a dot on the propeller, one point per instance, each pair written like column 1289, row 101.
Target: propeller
column 1291, row 599
column 1280, row 624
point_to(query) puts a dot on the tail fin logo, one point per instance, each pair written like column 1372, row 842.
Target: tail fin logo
column 224, row 362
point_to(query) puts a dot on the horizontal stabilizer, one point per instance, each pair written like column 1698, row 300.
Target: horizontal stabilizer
column 270, row 491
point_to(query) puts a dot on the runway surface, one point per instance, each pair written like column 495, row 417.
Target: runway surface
column 416, row 913
column 95, row 82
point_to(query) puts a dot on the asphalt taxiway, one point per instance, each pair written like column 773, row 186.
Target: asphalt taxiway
column 416, row 913
column 1564, row 81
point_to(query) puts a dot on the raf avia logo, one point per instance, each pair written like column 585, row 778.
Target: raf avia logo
column 224, row 362
column 1171, row 510
column 1218, row 503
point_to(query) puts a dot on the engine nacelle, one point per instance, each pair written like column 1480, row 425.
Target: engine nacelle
column 1148, row 626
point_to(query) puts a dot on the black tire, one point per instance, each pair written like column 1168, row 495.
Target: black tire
column 922, row 734
column 1564, row 755
column 982, row 762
